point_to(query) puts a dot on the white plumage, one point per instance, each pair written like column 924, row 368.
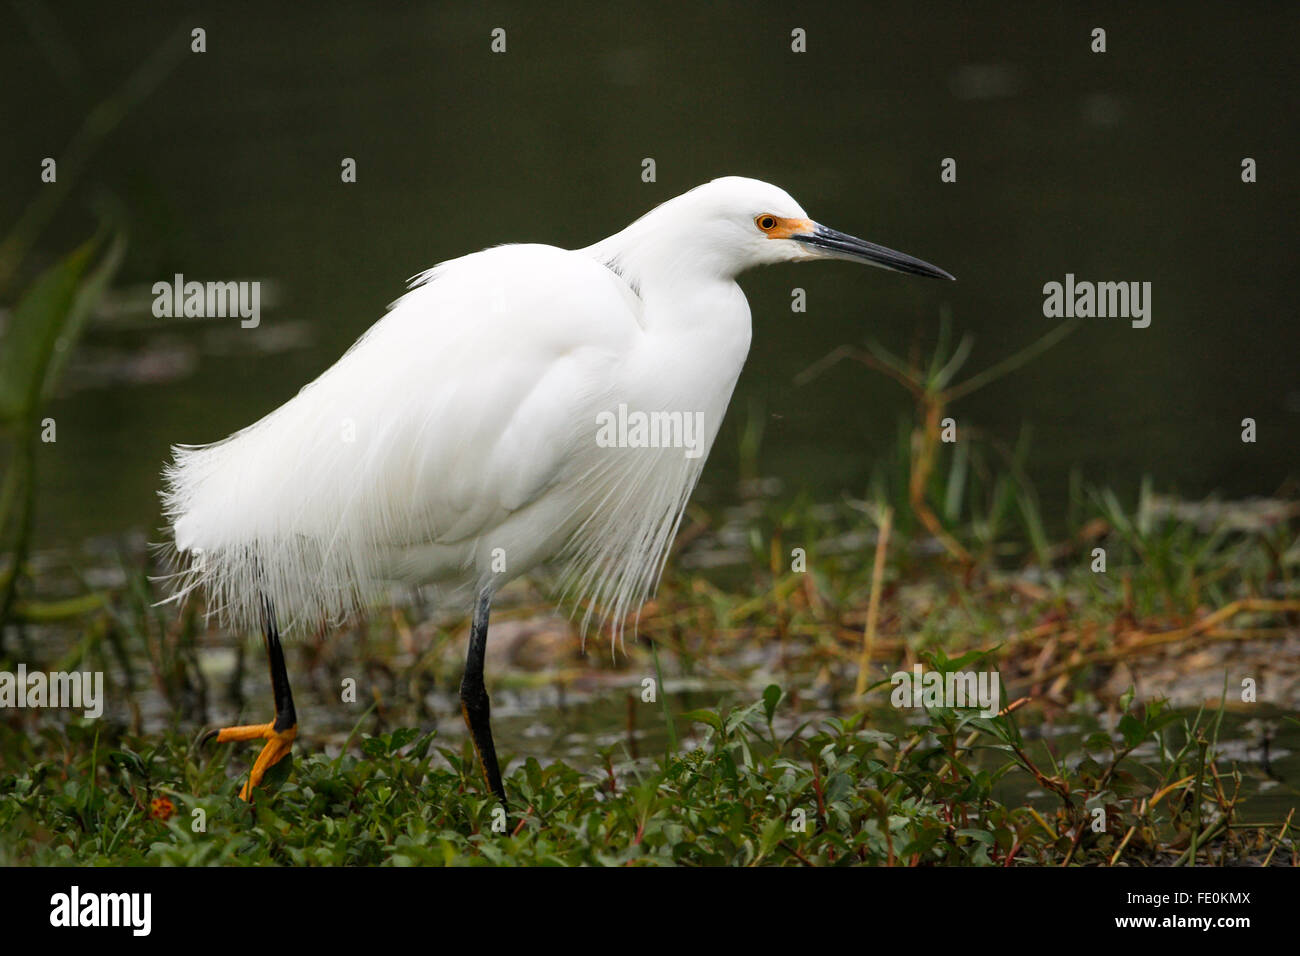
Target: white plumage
column 456, row 441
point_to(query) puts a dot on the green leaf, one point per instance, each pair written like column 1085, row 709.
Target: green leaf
column 772, row 695
column 401, row 737
column 37, row 326
column 129, row 761
column 739, row 717
column 88, row 295
column 704, row 717
column 1132, row 730
column 772, row 835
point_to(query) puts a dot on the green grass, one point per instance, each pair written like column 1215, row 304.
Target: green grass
column 841, row 794
column 802, row 774
column 789, row 764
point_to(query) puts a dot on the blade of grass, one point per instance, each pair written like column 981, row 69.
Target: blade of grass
column 873, row 606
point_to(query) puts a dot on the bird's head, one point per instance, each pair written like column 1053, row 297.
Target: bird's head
column 736, row 223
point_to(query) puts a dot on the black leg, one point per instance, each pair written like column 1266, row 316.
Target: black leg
column 280, row 733
column 474, row 699
column 285, row 716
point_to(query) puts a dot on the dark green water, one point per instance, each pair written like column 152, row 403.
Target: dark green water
column 1115, row 166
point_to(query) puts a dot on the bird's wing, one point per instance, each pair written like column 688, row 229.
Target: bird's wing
column 456, row 409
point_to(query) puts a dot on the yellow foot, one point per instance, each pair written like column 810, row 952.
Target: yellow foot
column 278, row 745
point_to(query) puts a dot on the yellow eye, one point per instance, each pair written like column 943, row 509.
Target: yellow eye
column 766, row 223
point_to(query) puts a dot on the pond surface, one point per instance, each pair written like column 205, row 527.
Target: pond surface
column 1119, row 166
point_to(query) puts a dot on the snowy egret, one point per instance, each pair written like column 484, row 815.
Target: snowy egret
column 516, row 405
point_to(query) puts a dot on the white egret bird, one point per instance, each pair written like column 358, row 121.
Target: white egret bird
column 468, row 436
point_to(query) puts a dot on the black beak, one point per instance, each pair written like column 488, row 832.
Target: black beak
column 840, row 245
